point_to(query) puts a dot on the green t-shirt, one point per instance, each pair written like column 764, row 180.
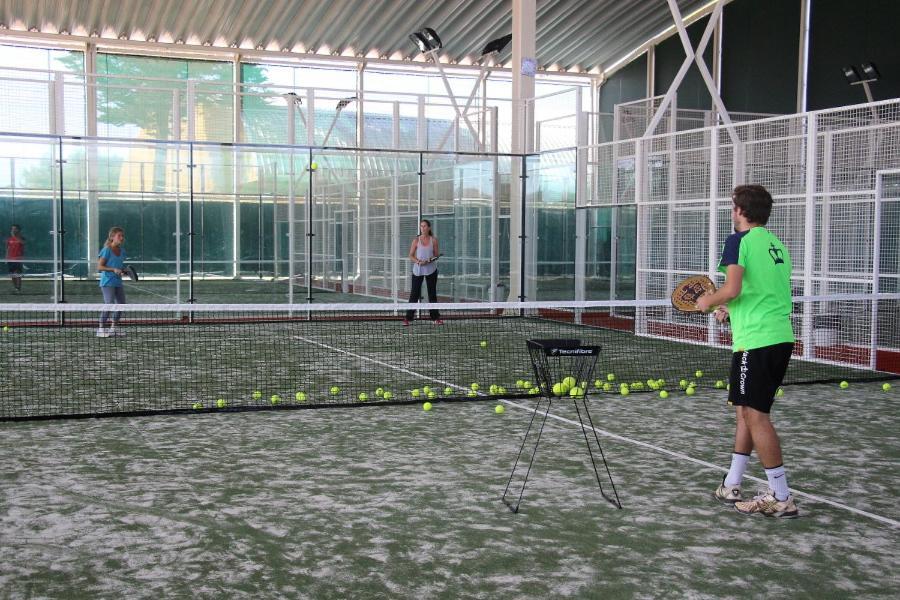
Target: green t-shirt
column 761, row 314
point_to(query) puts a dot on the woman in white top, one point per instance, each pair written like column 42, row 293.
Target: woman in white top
column 423, row 252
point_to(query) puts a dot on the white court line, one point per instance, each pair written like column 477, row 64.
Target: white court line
column 614, row 436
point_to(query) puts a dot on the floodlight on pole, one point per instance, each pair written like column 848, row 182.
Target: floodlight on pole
column 496, row 46
column 866, row 74
column 341, row 105
column 426, row 40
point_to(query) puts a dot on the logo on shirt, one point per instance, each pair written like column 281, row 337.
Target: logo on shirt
column 776, row 253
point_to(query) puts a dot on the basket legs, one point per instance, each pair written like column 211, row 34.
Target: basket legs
column 583, row 407
column 540, row 430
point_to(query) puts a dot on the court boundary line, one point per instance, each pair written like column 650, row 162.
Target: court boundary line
column 642, row 444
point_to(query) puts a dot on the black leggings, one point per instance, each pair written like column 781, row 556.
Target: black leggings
column 416, row 293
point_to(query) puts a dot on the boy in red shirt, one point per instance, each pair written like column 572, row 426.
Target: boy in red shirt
column 15, row 252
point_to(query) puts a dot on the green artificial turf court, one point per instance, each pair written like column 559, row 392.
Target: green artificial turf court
column 393, row 501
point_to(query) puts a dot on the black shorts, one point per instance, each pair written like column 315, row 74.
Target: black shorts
column 14, row 267
column 756, row 375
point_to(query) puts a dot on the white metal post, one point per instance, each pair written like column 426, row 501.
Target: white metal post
column 581, row 177
column 495, row 211
column 812, row 134
column 713, row 248
column 876, row 270
column 176, row 135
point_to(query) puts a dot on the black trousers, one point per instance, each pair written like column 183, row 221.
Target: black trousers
column 416, row 293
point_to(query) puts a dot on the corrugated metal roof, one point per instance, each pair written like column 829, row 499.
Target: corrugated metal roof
column 572, row 35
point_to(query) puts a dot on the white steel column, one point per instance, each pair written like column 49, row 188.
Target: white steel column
column 713, row 248
column 176, row 135
column 236, row 168
column 812, row 135
column 523, row 47
column 581, row 201
column 92, row 218
column 395, row 209
column 495, row 211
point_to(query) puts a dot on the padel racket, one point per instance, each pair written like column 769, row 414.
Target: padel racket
column 686, row 293
column 431, row 260
column 130, row 272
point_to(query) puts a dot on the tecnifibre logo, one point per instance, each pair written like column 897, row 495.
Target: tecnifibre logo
column 571, row 351
column 744, row 369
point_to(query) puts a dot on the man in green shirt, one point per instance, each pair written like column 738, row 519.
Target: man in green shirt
column 757, row 292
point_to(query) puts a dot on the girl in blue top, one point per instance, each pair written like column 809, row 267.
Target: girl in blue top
column 110, row 263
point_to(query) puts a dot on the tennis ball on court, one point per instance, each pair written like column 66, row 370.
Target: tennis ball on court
column 448, row 391
column 196, row 406
column 624, row 390
column 472, row 393
column 415, row 393
column 432, row 395
column 698, row 373
column 335, row 390
column 483, row 343
column 501, row 390
column 257, row 395
column 683, row 383
column 6, row 329
column 300, row 396
column 527, row 385
column 576, row 392
column 379, row 392
column 474, row 387
column 660, row 382
column 720, row 384
column 886, row 387
column 569, row 381
column 426, row 407
column 493, row 389
column 559, row 389
column 387, row 395
column 535, row 391
column 426, row 389
column 220, row 403
column 519, row 383
column 363, row 396
column 664, row 394
column 607, row 386
column 690, row 391
column 499, row 409
column 598, row 384
column 610, row 376
column 313, row 166
column 275, row 399
column 844, row 385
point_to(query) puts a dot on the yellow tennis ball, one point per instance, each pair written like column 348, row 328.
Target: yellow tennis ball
column 313, row 166
column 499, row 409
column 415, row 393
column 527, row 385
column 379, row 392
column 257, row 395
column 569, row 382
column 472, row 393
column 683, row 383
column 576, row 392
column 559, row 389
column 387, row 395
column 501, row 389
column 300, row 396
column 844, row 385
column 426, row 389
column 607, row 386
column 535, row 391
column 474, row 387
column 886, row 387
column 698, row 373
column 5, row 328
column 493, row 389
column 598, row 384
column 426, row 407
column 363, row 396
column 432, row 395
column 610, row 376
column 689, row 391
column 664, row 394
column 275, row 399
column 624, row 390
column 196, row 406
column 335, row 390
column 448, row 391
column 720, row 384
column 483, row 343
column 660, row 382
column 519, row 383
column 220, row 403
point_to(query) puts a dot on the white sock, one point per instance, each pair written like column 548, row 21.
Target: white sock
column 738, row 466
column 778, row 482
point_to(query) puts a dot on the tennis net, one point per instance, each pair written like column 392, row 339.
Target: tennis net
column 196, row 358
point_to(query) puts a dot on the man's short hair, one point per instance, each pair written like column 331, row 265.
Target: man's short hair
column 755, row 203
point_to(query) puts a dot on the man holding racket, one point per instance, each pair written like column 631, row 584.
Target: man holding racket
column 423, row 252
column 757, row 291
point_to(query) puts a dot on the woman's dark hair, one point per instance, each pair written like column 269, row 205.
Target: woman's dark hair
column 755, row 203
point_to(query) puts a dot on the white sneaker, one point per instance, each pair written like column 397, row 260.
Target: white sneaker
column 104, row 333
